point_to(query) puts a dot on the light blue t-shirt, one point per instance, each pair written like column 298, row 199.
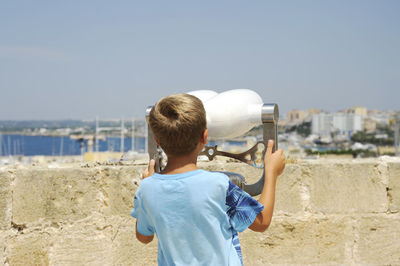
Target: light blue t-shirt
column 195, row 215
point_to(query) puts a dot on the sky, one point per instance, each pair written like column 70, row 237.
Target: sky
column 112, row 59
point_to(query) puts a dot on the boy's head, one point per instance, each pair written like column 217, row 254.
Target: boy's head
column 178, row 123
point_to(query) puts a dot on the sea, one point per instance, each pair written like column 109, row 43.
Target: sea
column 26, row 145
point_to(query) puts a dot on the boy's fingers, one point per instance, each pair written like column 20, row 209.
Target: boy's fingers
column 152, row 164
column 270, row 146
column 145, row 173
column 150, row 169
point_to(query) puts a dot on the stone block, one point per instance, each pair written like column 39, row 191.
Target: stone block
column 291, row 241
column 394, row 186
column 127, row 250
column 3, row 246
column 55, row 194
column 5, row 200
column 379, row 240
column 84, row 243
column 289, row 190
column 118, row 187
column 31, row 248
column 348, row 187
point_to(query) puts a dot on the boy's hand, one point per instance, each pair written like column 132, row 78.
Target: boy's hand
column 149, row 170
column 274, row 162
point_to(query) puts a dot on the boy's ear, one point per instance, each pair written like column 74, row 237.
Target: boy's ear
column 205, row 136
column 156, row 140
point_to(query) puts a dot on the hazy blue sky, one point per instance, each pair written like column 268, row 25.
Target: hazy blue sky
column 79, row 59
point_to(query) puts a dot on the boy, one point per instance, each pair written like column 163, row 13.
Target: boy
column 196, row 214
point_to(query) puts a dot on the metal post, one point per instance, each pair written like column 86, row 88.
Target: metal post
column 269, row 118
column 61, row 145
column 9, row 146
column 122, row 135
column 151, row 146
column 147, row 131
column 82, row 146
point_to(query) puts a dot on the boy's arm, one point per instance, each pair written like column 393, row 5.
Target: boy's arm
column 147, row 172
column 274, row 165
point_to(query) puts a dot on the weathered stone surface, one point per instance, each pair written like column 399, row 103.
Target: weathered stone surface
column 345, row 187
column 378, row 242
column 127, row 250
column 119, row 186
column 3, row 245
column 297, row 241
column 289, row 191
column 5, row 200
column 394, row 186
column 31, row 248
column 85, row 243
column 327, row 212
column 55, row 194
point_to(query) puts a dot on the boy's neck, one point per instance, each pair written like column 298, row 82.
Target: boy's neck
column 181, row 164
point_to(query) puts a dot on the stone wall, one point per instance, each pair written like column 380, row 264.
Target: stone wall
column 327, row 212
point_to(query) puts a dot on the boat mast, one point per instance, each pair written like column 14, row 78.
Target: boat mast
column 122, row 135
column 133, row 134
column 96, row 134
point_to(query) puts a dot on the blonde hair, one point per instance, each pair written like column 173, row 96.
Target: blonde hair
column 178, row 122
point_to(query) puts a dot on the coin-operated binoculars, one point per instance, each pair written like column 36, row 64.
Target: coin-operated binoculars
column 231, row 114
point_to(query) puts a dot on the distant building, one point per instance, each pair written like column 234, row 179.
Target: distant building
column 347, row 122
column 323, row 124
column 369, row 125
column 314, row 111
column 380, row 117
column 358, row 110
column 297, row 115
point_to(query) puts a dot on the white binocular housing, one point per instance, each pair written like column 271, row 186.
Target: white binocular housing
column 232, row 113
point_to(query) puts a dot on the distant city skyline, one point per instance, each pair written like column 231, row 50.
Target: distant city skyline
column 142, row 118
column 79, row 60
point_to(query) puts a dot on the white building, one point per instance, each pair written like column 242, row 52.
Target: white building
column 323, row 124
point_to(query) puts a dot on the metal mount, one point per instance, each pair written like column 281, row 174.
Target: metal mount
column 254, row 156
